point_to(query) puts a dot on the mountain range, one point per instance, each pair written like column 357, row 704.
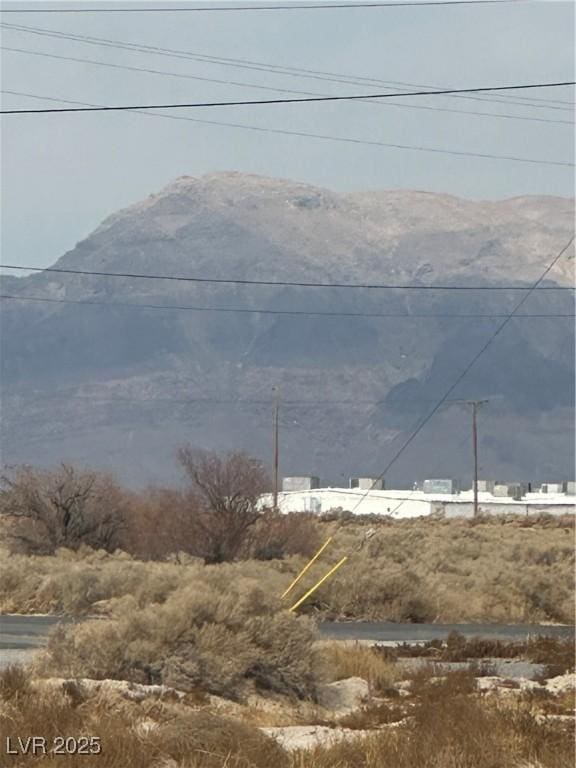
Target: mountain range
column 88, row 379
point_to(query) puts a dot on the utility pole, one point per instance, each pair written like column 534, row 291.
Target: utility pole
column 276, row 449
column 475, row 404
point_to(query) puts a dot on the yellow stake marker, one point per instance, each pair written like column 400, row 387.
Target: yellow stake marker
column 306, row 567
column 318, row 584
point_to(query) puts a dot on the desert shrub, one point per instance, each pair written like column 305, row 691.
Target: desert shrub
column 136, row 736
column 455, row 571
column 457, row 647
column 338, row 661
column 274, row 536
column 362, row 589
column 557, row 655
column 74, row 582
column 226, row 741
column 430, row 683
column 224, row 635
column 423, row 570
column 454, row 731
column 13, row 682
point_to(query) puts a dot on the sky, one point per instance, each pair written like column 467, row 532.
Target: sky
column 63, row 173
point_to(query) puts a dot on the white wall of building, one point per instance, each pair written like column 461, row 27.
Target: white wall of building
column 407, row 504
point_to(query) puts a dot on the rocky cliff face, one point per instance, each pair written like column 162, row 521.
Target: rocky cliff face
column 122, row 387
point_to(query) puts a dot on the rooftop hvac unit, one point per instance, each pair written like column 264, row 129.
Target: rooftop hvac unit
column 300, row 483
column 552, row 488
column 440, row 486
column 514, row 490
column 367, row 483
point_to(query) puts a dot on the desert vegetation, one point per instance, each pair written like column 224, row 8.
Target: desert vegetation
column 410, row 571
column 178, row 651
column 414, row 719
column 500, row 581
column 509, row 569
column 214, row 515
column 42, row 510
column 218, row 631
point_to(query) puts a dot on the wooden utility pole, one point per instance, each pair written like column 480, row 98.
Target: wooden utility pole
column 475, row 404
column 276, row 450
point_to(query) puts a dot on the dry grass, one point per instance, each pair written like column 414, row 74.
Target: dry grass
column 88, row 581
column 446, row 727
column 222, row 629
column 135, row 736
column 338, row 661
column 452, row 571
column 445, row 724
column 463, row 734
column 541, row 701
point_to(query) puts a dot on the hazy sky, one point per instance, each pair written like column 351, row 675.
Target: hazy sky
column 63, row 173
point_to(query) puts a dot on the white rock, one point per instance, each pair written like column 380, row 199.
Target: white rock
column 309, row 736
column 344, row 695
column 562, row 683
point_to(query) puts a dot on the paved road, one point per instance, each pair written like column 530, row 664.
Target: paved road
column 24, row 632
column 417, row 633
column 21, row 635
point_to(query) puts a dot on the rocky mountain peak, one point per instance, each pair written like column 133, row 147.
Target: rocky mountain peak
column 77, row 379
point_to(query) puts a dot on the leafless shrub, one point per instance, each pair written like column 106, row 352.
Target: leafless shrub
column 223, row 500
column 160, row 525
column 43, row 510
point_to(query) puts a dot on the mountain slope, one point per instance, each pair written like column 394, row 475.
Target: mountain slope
column 123, row 387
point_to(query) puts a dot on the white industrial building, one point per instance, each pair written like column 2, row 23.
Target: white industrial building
column 417, row 503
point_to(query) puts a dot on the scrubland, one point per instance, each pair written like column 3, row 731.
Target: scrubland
column 422, row 721
column 183, row 654
column 514, row 570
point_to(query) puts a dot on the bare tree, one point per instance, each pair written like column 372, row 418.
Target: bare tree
column 223, row 500
column 42, row 510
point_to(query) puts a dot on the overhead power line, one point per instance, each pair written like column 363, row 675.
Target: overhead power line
column 282, row 283
column 286, row 403
column 299, row 100
column 322, row 136
column 275, row 89
column 286, row 312
column 283, row 70
column 277, row 7
column 510, row 316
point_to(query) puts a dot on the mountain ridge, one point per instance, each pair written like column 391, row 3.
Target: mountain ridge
column 66, row 368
